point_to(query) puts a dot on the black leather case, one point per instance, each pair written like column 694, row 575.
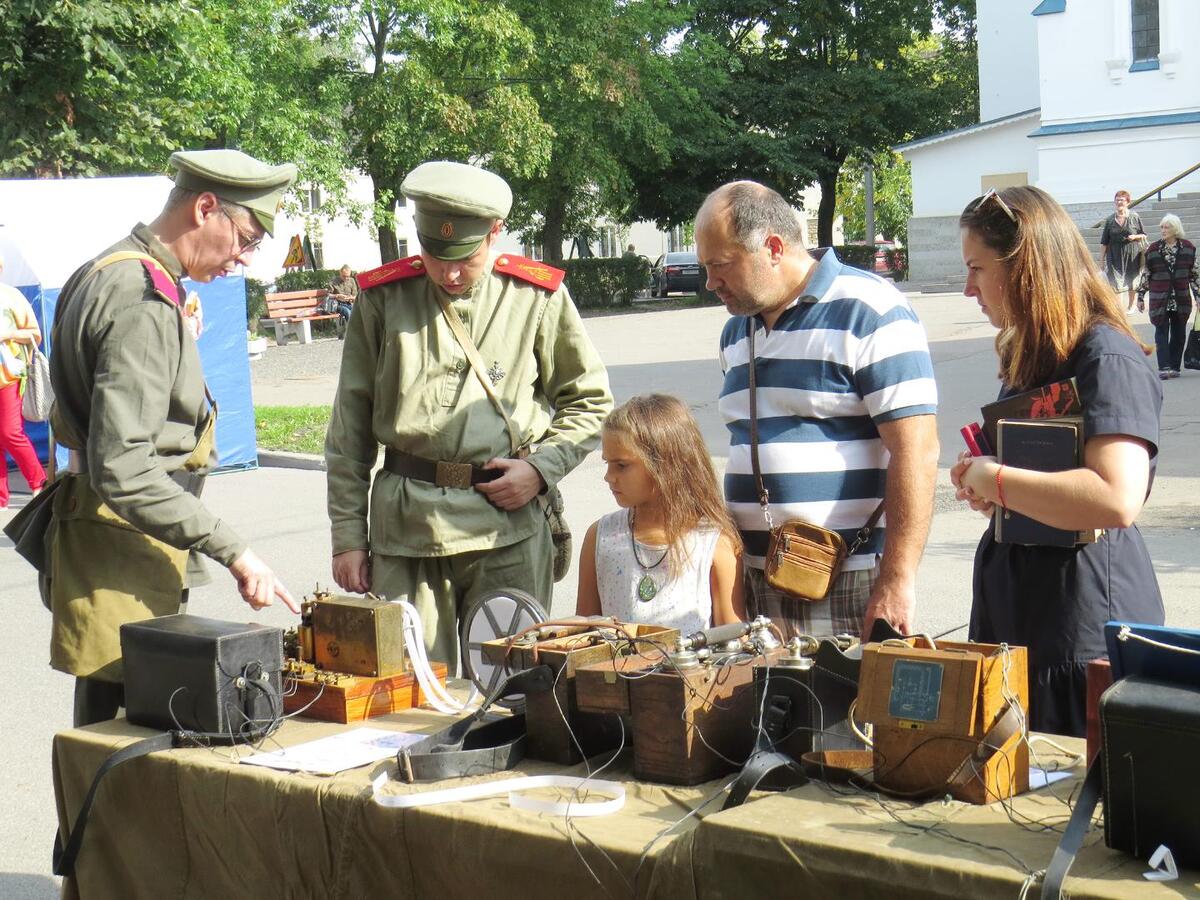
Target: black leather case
column 205, row 675
column 1150, row 734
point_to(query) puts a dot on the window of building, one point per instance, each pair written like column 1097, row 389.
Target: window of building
column 531, row 250
column 310, row 199
column 402, row 244
column 812, row 232
column 1145, row 30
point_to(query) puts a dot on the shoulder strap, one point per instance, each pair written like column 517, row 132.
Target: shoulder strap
column 480, row 369
column 163, row 283
column 64, row 855
column 764, row 497
column 1072, row 839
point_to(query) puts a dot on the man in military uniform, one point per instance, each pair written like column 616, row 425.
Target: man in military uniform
column 131, row 405
column 452, row 513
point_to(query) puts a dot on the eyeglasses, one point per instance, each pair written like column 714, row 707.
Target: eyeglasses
column 991, row 194
column 247, row 243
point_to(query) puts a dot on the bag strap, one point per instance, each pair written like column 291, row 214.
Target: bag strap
column 65, row 854
column 1077, row 828
column 477, row 364
column 764, row 497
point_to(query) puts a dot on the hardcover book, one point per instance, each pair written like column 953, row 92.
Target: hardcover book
column 1051, row 401
column 1045, row 445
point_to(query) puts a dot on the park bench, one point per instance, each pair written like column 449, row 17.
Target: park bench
column 291, row 314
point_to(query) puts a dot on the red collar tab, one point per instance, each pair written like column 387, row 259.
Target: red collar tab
column 163, row 283
column 409, row 267
column 530, row 270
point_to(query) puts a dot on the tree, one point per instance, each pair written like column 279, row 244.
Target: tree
column 113, row 87
column 595, row 73
column 893, row 197
column 805, row 85
column 433, row 79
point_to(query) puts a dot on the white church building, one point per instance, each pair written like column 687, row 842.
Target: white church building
column 1078, row 97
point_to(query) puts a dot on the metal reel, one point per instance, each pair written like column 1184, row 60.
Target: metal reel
column 497, row 614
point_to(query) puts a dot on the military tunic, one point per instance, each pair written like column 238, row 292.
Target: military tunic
column 130, row 396
column 406, row 383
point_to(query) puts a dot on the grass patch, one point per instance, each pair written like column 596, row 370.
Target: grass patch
column 296, row 429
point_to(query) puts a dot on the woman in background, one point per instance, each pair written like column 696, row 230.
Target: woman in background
column 1032, row 275
column 1170, row 277
column 1121, row 245
column 19, row 334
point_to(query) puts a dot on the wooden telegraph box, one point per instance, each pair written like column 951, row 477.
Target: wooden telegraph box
column 689, row 725
column 931, row 710
column 554, row 720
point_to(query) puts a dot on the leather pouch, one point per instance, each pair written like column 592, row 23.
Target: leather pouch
column 1151, row 736
column 803, row 560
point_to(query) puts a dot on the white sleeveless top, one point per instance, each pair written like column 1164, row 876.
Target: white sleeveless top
column 683, row 600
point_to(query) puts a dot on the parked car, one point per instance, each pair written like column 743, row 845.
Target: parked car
column 880, row 265
column 677, row 271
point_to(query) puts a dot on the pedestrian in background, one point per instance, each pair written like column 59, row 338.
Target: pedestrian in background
column 1170, row 277
column 343, row 291
column 1034, row 279
column 19, row 334
column 1121, row 245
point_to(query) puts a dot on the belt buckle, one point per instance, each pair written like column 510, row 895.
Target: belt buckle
column 453, row 475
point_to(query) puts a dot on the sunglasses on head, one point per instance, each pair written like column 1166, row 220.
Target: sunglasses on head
column 992, row 194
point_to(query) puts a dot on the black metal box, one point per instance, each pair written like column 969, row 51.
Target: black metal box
column 206, row 675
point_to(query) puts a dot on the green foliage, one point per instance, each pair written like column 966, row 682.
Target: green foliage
column 601, row 282
column 306, row 279
column 256, row 302
column 789, row 91
column 296, row 429
column 893, row 197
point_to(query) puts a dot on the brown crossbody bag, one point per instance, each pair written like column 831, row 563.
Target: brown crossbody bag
column 803, row 560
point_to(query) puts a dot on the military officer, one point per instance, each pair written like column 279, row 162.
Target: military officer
column 131, row 405
column 452, row 513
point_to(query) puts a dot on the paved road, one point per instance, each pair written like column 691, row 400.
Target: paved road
column 281, row 513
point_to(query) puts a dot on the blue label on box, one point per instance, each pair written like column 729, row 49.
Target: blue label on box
column 916, row 690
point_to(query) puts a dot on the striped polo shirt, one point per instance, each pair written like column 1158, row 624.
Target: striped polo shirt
column 846, row 355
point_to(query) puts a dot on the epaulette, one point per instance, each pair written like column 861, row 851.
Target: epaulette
column 530, row 270
column 163, row 283
column 394, row 271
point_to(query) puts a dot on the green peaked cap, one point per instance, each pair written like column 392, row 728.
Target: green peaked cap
column 236, row 178
column 455, row 206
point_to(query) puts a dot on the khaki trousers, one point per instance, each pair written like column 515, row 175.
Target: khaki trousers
column 442, row 587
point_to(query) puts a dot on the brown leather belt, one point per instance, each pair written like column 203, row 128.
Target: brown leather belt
column 443, row 474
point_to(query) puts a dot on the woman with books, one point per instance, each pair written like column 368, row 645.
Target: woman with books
column 1081, row 560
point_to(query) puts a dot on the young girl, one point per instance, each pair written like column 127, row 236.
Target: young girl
column 671, row 555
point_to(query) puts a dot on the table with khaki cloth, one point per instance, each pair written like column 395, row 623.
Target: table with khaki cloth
column 193, row 823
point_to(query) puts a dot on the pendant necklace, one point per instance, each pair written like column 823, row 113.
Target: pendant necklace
column 647, row 587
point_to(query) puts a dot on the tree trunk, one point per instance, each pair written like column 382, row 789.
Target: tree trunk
column 825, row 212
column 552, row 232
column 389, row 247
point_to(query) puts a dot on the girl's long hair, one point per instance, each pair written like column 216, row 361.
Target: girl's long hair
column 663, row 433
column 1053, row 291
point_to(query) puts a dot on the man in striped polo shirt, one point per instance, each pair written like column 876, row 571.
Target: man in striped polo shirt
column 846, row 409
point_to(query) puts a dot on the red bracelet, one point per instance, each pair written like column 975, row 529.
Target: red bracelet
column 1000, row 487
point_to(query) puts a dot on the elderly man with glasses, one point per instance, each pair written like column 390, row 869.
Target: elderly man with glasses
column 126, row 528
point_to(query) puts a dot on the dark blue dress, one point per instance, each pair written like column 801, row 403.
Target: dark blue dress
column 1055, row 600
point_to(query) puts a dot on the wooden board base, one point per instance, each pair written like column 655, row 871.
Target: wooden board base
column 350, row 698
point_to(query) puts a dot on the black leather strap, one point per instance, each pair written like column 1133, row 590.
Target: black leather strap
column 64, row 857
column 462, row 748
column 1077, row 828
column 758, row 767
column 443, row 474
